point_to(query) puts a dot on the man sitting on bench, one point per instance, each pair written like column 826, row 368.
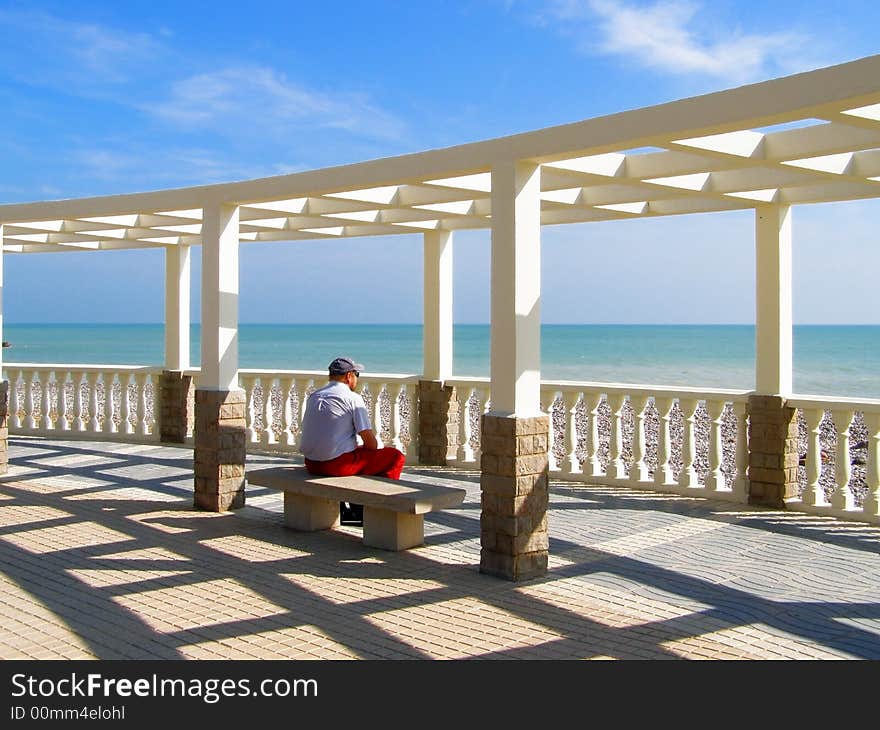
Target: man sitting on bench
column 335, row 415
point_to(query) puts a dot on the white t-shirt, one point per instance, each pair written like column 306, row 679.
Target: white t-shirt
column 334, row 415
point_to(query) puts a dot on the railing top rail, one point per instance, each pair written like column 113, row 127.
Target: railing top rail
column 647, row 389
column 461, row 380
column 870, row 405
column 82, row 368
column 322, row 375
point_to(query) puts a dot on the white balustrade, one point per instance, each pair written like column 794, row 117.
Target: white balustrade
column 263, row 417
column 89, row 414
column 38, row 404
column 844, row 502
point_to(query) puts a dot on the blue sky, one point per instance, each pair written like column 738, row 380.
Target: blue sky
column 113, row 97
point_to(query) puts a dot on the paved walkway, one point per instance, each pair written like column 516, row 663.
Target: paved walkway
column 102, row 556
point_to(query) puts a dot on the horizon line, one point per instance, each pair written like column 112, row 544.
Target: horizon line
column 455, row 324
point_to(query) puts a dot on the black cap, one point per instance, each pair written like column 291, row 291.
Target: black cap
column 343, row 365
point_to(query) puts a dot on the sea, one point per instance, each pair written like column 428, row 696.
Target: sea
column 829, row 360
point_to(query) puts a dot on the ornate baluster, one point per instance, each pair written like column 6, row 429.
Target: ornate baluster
column 396, row 424
column 302, row 387
column 871, row 505
column 143, row 428
column 741, row 453
column 126, row 425
column 639, row 471
column 110, row 410
column 595, row 399
column 14, row 404
column 715, row 478
column 30, row 422
column 482, row 407
column 268, row 437
column 814, row 494
column 412, row 450
column 548, row 406
column 570, row 463
column 61, row 381
column 616, row 465
column 688, row 476
column 94, row 423
column 248, row 385
column 465, row 431
column 842, row 498
column 287, row 415
column 377, row 413
column 664, row 475
column 46, row 422
column 79, row 423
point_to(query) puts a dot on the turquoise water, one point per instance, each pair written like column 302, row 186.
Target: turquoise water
column 840, row 360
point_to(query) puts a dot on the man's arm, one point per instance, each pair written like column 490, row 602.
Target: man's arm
column 369, row 438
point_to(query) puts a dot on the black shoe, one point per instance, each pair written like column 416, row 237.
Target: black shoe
column 351, row 514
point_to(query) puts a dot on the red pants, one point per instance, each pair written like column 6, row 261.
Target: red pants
column 387, row 462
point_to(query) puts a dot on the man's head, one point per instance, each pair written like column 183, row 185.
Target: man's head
column 345, row 370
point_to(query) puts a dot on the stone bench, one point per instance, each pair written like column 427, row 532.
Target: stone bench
column 393, row 510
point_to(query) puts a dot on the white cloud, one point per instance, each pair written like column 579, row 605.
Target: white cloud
column 676, row 37
column 167, row 166
column 69, row 55
column 260, row 99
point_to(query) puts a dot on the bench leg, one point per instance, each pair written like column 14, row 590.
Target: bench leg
column 308, row 514
column 392, row 530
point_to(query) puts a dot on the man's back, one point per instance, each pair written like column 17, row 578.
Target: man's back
column 334, row 416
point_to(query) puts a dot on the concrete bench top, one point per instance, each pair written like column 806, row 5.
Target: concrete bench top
column 397, row 496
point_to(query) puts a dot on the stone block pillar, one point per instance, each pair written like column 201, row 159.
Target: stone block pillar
column 439, row 414
column 515, row 496
column 4, row 426
column 219, row 453
column 176, row 405
column 773, row 451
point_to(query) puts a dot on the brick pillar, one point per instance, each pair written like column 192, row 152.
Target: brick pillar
column 4, row 426
column 219, row 452
column 439, row 414
column 773, row 451
column 514, row 483
column 176, row 404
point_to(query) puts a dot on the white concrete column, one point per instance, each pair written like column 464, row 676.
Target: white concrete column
column 516, row 290
column 219, row 298
column 177, row 285
column 773, row 306
column 437, row 329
